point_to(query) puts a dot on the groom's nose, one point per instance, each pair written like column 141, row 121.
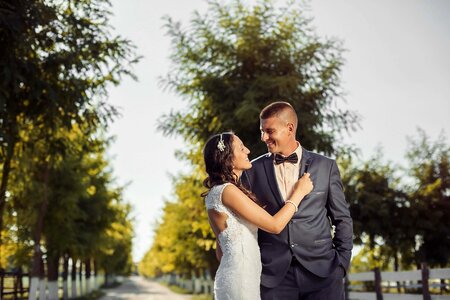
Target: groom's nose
column 263, row 136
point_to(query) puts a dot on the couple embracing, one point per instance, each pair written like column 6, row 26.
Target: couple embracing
column 282, row 225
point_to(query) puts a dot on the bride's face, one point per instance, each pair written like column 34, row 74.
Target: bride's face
column 240, row 155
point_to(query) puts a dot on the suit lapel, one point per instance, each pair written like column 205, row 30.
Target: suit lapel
column 305, row 162
column 270, row 173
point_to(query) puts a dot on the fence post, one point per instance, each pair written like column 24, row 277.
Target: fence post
column 425, row 286
column 1, row 283
column 21, row 289
column 378, row 291
column 15, row 276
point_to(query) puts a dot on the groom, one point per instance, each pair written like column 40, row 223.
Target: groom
column 308, row 259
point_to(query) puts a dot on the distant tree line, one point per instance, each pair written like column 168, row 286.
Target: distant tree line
column 58, row 198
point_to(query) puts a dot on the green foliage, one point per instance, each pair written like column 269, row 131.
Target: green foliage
column 370, row 258
column 85, row 215
column 430, row 198
column 234, row 60
column 57, row 60
column 375, row 199
column 115, row 243
column 183, row 239
column 380, row 211
column 399, row 214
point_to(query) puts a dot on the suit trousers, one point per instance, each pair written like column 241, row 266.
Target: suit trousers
column 301, row 284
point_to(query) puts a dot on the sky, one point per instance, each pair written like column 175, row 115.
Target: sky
column 396, row 77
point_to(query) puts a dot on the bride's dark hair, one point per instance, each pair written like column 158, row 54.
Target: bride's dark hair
column 218, row 157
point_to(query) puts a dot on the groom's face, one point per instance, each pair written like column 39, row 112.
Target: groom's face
column 275, row 134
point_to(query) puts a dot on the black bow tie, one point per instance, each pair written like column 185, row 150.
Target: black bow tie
column 279, row 159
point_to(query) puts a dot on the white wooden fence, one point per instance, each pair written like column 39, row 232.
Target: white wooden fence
column 423, row 279
column 199, row 285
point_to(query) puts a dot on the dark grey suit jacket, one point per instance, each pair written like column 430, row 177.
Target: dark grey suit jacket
column 308, row 236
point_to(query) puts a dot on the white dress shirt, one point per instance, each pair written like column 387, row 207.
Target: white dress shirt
column 287, row 174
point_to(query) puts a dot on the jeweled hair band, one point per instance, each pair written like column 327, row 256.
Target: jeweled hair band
column 221, row 144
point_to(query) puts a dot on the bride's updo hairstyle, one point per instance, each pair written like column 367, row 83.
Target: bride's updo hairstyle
column 218, row 157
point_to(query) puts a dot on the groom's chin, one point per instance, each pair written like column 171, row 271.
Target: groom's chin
column 271, row 149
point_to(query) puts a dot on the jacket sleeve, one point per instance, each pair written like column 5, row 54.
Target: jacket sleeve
column 339, row 213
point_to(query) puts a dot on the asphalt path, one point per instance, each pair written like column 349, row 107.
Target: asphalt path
column 139, row 288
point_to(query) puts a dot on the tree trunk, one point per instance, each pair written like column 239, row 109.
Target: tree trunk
column 52, row 275
column 6, row 168
column 37, row 275
column 95, row 274
column 396, row 267
column 106, row 284
column 65, row 276
column 35, row 272
column 42, row 287
column 80, row 278
column 73, row 277
column 87, row 271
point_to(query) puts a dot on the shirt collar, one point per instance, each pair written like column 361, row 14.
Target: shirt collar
column 299, row 152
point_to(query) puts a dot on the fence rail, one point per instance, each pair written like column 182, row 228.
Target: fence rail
column 421, row 281
column 11, row 285
column 196, row 285
column 15, row 285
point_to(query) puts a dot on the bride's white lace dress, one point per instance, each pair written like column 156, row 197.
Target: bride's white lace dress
column 239, row 273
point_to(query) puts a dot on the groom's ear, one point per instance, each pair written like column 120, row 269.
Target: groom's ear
column 291, row 128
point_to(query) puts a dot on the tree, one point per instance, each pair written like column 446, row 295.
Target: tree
column 115, row 244
column 82, row 207
column 399, row 214
column 57, row 59
column 183, row 240
column 430, row 198
column 234, row 60
column 380, row 209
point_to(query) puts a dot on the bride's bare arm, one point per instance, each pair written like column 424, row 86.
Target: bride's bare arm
column 237, row 201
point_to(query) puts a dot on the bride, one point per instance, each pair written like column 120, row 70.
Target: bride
column 235, row 217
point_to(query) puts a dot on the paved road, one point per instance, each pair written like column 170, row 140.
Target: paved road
column 138, row 288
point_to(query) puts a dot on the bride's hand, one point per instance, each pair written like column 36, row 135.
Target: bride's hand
column 304, row 185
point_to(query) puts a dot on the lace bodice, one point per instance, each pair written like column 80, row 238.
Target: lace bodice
column 238, row 276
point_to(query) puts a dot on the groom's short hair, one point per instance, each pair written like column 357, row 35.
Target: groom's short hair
column 276, row 109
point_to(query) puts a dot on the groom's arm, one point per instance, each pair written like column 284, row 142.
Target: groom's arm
column 338, row 210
